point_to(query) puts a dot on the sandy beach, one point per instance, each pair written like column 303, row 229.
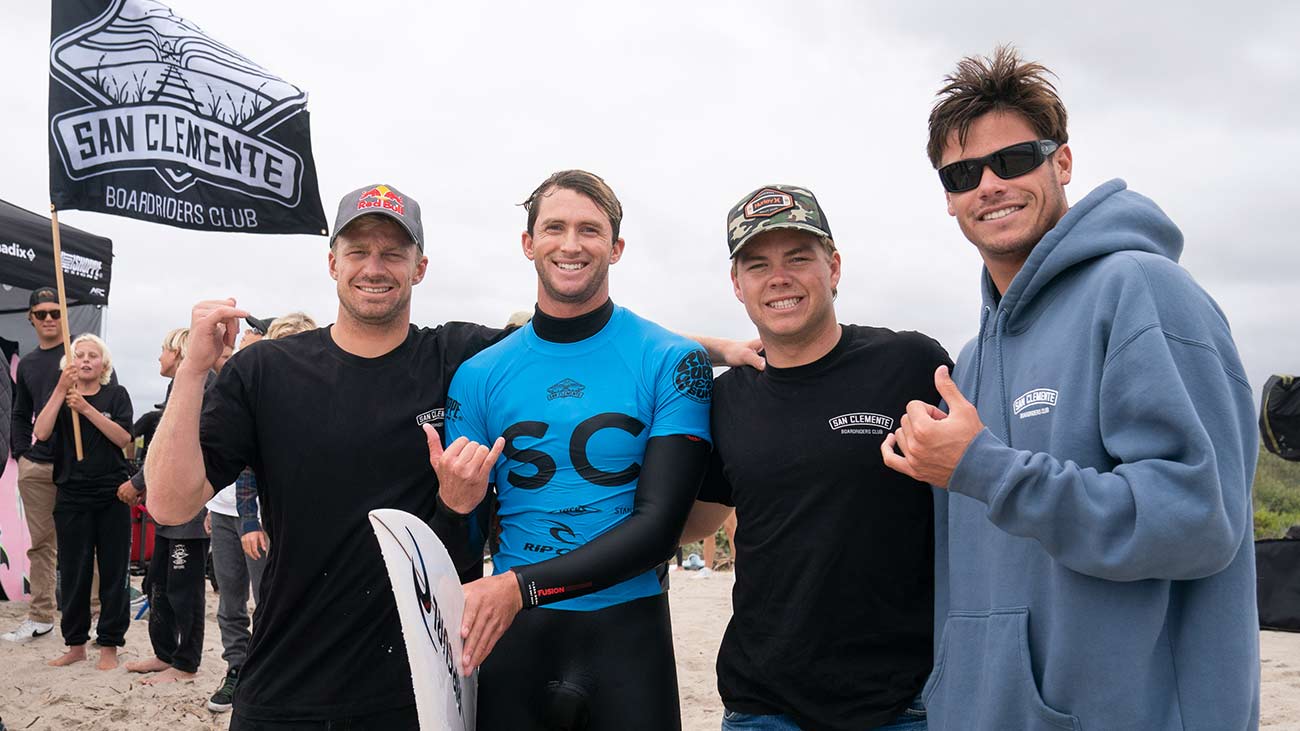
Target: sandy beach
column 35, row 696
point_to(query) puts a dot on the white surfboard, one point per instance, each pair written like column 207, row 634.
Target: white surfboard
column 430, row 604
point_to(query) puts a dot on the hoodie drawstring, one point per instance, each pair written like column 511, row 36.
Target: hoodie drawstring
column 979, row 356
column 998, row 327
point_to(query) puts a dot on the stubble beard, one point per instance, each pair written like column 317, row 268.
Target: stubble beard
column 586, row 294
column 1018, row 249
column 381, row 319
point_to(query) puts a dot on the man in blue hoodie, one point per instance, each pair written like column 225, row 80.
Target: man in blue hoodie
column 1094, row 565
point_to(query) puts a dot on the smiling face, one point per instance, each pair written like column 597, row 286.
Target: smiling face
column 375, row 265
column 48, row 331
column 1005, row 219
column 786, row 279
column 571, row 246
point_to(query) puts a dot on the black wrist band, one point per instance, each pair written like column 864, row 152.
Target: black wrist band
column 446, row 509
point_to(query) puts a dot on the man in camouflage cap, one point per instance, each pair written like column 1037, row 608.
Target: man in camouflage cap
column 835, row 557
column 772, row 207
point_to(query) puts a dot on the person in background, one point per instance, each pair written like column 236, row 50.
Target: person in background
column 6, row 412
column 38, row 371
column 89, row 521
column 709, row 547
column 177, row 569
column 236, row 568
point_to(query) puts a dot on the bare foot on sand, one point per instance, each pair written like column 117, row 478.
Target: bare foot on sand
column 107, row 658
column 149, row 665
column 170, row 675
column 76, row 653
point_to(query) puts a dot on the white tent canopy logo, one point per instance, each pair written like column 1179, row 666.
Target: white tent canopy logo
column 162, row 95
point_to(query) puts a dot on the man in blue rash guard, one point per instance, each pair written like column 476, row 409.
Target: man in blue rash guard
column 603, row 421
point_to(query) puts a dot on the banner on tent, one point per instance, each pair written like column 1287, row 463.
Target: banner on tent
column 153, row 119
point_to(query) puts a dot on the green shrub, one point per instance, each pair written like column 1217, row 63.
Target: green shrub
column 1277, row 495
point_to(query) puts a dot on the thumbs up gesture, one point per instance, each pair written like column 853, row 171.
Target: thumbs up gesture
column 928, row 443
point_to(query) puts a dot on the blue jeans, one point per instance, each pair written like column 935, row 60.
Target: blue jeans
column 911, row 719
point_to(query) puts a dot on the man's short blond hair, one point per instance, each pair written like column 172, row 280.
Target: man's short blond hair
column 290, row 324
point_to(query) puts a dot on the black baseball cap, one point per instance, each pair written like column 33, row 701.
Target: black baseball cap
column 41, row 295
column 261, row 326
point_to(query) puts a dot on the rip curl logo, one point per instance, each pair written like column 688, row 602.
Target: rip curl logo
column 433, row 416
column 180, row 556
column 157, row 88
column 561, row 532
column 567, row 388
column 693, row 376
column 768, row 202
column 1034, row 403
column 861, row 422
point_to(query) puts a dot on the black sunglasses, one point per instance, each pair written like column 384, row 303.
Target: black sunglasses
column 42, row 314
column 1007, row 163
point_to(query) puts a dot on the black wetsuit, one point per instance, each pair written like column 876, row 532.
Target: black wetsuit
column 606, row 424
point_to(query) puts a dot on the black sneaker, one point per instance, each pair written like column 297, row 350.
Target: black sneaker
column 224, row 698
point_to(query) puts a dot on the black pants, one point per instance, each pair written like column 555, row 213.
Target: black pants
column 401, row 719
column 608, row 670
column 177, row 573
column 82, row 534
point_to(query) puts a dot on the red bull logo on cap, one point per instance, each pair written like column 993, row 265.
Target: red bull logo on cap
column 382, row 196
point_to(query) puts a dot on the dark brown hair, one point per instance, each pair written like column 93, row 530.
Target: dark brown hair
column 578, row 181
column 1001, row 83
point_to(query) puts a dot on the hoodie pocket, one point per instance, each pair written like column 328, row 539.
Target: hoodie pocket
column 983, row 678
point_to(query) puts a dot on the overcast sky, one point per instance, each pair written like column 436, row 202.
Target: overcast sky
column 684, row 107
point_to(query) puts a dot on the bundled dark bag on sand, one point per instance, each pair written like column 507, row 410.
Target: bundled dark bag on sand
column 1279, row 417
column 1277, row 565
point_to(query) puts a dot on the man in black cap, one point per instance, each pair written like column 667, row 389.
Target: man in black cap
column 38, row 372
column 330, row 422
column 835, row 553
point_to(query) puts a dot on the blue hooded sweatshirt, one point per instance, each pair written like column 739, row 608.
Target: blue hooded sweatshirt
column 1095, row 567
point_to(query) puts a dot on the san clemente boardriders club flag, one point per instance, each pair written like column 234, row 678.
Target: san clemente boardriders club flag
column 152, row 119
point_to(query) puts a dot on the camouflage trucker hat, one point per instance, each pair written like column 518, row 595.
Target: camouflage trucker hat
column 772, row 207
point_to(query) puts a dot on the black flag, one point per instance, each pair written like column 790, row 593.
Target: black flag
column 151, row 118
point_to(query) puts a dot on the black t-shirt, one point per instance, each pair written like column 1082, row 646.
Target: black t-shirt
column 92, row 482
column 834, row 592
column 38, row 374
column 331, row 436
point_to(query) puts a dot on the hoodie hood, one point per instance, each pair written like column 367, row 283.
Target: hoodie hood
column 1109, row 219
